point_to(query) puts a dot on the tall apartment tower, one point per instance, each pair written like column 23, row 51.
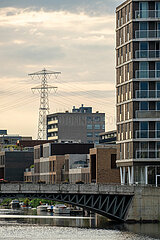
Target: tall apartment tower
column 138, row 91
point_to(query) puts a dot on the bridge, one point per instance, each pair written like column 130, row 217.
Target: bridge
column 117, row 202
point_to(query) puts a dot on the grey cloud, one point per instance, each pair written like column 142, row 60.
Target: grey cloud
column 92, row 7
column 32, row 53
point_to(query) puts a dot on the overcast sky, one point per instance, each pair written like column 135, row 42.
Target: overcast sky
column 76, row 37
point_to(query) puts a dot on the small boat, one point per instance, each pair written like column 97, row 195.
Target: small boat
column 15, row 204
column 50, row 208
column 61, row 209
column 42, row 207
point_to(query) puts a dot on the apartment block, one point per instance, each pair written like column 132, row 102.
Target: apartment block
column 13, row 164
column 138, row 91
column 80, row 125
column 51, row 159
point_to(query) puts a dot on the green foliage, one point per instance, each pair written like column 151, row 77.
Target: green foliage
column 32, row 166
column 36, row 202
column 6, row 202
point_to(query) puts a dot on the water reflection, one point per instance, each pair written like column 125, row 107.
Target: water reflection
column 31, row 217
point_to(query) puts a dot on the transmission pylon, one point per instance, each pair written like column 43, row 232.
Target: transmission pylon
column 43, row 90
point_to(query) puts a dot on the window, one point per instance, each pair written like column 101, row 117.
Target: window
column 89, row 126
column 143, row 6
column 126, row 88
column 158, row 85
column 143, row 105
column 96, row 134
column 97, row 126
column 97, row 119
column 144, row 85
column 122, row 128
column 89, row 119
column 158, row 105
column 113, row 161
column 89, row 134
column 103, row 127
column 120, row 109
column 158, row 69
column 144, row 125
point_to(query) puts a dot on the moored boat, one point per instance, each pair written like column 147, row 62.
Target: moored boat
column 15, row 204
column 61, row 209
column 42, row 207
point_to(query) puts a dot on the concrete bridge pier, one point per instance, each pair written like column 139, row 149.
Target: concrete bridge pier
column 145, row 205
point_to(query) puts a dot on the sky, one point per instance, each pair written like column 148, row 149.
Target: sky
column 75, row 37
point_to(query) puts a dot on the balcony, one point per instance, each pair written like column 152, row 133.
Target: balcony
column 148, row 94
column 147, row 14
column 148, row 114
column 147, row 54
column 148, row 154
column 147, row 74
column 147, row 134
column 147, row 34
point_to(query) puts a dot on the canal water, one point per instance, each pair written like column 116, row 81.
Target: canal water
column 20, row 224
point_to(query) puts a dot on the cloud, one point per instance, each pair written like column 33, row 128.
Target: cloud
column 91, row 7
column 66, row 36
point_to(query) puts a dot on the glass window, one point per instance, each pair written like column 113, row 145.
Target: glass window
column 97, row 126
column 158, row 85
column 158, row 105
column 89, row 126
column 143, row 45
column 97, row 119
column 96, row 134
column 144, row 125
column 89, row 119
column 143, row 25
column 158, row 69
column 144, row 85
column 143, row 6
column 103, row 127
column 121, row 128
column 126, row 88
column 158, row 125
column 143, row 105
column 121, row 51
column 89, row 134
column 144, row 145
column 143, row 66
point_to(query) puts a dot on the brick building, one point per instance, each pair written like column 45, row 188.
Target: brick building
column 49, row 160
column 103, row 167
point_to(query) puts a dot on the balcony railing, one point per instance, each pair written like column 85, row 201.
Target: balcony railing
column 148, row 94
column 147, row 14
column 147, row 34
column 148, row 154
column 148, row 114
column 147, row 73
column 148, row 134
column 147, row 54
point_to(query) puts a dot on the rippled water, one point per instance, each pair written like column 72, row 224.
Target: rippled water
column 14, row 225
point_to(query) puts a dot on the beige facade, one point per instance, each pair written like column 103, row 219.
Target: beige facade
column 138, row 88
